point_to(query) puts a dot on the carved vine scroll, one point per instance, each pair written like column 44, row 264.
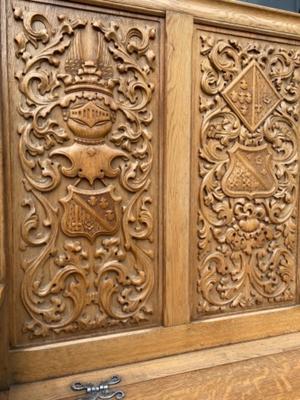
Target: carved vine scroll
column 248, row 169
column 87, row 158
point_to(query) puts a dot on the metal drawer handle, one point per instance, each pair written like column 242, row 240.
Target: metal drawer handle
column 101, row 391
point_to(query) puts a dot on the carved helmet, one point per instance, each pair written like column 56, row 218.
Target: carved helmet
column 89, row 76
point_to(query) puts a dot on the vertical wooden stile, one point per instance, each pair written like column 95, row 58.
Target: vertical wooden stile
column 179, row 32
column 4, row 314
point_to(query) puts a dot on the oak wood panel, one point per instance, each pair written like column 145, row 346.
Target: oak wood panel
column 294, row 395
column 272, row 377
column 247, row 157
column 85, row 144
column 82, row 355
column 55, row 389
column 221, row 12
column 28, row 365
column 177, row 183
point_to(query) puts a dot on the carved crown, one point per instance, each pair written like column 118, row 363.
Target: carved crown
column 88, row 64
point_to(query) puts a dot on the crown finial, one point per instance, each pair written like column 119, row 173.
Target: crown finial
column 88, row 64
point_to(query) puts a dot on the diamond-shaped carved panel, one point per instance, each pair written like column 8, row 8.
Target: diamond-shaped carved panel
column 252, row 96
column 246, row 156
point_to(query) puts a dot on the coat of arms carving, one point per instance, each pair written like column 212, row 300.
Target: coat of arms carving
column 252, row 96
column 90, row 213
column 88, row 149
column 248, row 174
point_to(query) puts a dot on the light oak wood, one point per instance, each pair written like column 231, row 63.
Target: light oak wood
column 28, row 365
column 95, row 224
column 233, row 250
column 177, row 183
column 160, row 368
column 243, row 16
column 150, row 318
column 271, row 377
column 228, row 13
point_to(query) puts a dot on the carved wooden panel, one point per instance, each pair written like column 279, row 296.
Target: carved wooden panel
column 84, row 137
column 246, row 188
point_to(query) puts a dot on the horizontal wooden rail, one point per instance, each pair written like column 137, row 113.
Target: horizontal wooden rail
column 235, row 14
column 45, row 361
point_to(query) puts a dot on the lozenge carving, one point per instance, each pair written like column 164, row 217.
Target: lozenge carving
column 248, row 169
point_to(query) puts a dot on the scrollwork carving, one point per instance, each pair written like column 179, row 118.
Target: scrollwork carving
column 248, row 164
column 86, row 152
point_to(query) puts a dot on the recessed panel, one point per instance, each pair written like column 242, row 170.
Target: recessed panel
column 85, row 133
column 245, row 173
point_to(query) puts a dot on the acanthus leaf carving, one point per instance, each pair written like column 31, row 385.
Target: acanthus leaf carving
column 86, row 153
column 248, row 168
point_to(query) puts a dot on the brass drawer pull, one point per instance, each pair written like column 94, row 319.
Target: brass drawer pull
column 101, row 391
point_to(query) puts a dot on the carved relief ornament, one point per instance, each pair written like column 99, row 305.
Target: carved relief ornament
column 86, row 94
column 248, row 168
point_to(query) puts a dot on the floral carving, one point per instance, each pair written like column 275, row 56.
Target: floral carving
column 86, row 154
column 248, row 168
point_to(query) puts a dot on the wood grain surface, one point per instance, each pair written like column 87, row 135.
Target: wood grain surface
column 28, row 365
column 177, row 183
column 94, row 300
column 232, row 359
column 269, row 378
column 243, row 16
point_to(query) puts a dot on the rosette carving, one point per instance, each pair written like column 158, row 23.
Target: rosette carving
column 248, row 169
column 85, row 148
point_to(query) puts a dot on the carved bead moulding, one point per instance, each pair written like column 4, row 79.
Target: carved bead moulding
column 85, row 175
column 247, row 185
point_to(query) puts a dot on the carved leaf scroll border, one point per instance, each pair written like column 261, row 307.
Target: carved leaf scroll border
column 225, row 283
column 40, row 89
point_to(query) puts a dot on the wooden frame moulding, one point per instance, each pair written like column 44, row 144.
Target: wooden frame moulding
column 230, row 13
column 44, row 362
column 177, row 366
column 4, row 201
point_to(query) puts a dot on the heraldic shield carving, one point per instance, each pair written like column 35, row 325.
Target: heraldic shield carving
column 90, row 213
column 247, row 132
column 88, row 145
column 250, row 173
